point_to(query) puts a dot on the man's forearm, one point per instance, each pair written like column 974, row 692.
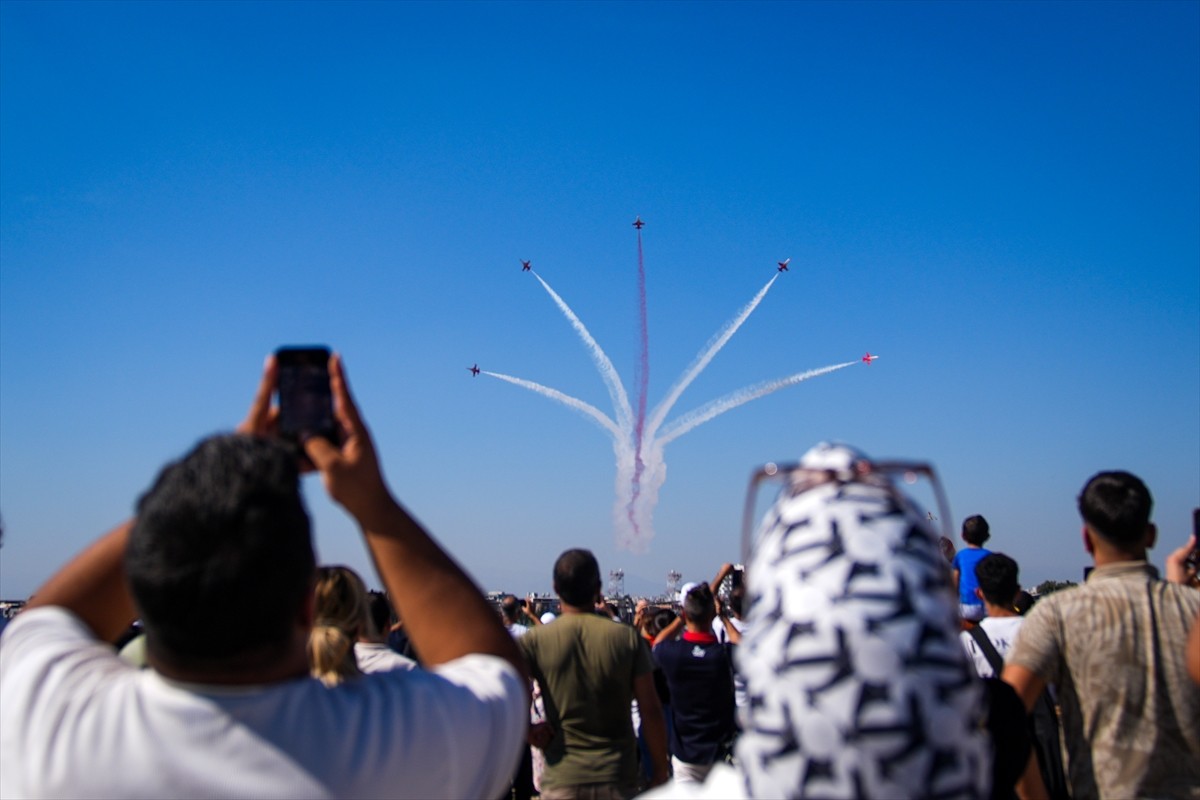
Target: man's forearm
column 444, row 612
column 93, row 586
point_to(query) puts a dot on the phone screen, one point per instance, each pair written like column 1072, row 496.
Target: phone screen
column 305, row 400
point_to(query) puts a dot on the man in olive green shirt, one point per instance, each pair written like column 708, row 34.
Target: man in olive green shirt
column 590, row 669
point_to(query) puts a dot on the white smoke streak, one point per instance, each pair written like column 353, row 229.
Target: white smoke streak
column 587, row 409
column 631, row 513
column 608, row 373
column 691, row 420
column 706, row 355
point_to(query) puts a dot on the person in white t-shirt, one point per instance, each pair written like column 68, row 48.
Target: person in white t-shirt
column 371, row 650
column 999, row 584
column 219, row 565
column 510, row 610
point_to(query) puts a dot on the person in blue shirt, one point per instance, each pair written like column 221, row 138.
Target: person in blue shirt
column 974, row 532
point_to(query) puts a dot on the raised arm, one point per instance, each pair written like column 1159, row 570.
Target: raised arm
column 445, row 613
column 93, row 586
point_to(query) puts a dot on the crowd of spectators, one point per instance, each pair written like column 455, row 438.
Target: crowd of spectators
column 857, row 654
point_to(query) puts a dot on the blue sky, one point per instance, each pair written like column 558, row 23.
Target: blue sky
column 1003, row 200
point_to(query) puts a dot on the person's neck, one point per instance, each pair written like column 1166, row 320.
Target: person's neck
column 269, row 663
column 999, row 611
column 569, row 609
column 697, row 627
column 1105, row 558
column 254, row 672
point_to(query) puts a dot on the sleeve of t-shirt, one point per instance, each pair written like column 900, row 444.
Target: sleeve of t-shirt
column 50, row 662
column 1038, row 644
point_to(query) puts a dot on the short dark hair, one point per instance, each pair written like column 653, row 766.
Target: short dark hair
column 509, row 607
column 975, row 530
column 698, row 604
column 577, row 578
column 379, row 609
column 1116, row 505
column 220, row 559
column 998, row 579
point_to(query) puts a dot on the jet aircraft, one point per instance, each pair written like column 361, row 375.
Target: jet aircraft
column 474, row 370
column 524, row 266
column 868, row 358
column 783, row 264
column 637, row 223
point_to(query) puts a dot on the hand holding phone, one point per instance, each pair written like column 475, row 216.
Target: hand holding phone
column 305, row 397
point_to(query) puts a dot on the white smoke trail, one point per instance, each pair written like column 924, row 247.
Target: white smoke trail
column 689, row 421
column 706, row 355
column 608, row 373
column 587, row 409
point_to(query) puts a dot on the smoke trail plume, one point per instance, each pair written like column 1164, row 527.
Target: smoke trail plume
column 642, row 381
column 715, row 408
column 705, row 356
column 608, row 373
column 587, row 409
column 638, row 442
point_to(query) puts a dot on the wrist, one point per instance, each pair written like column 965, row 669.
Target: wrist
column 378, row 512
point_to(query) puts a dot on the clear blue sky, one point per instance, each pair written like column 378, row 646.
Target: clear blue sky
column 1003, row 200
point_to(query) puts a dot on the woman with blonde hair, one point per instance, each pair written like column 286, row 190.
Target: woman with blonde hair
column 340, row 617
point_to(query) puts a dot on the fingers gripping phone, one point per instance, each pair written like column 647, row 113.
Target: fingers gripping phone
column 1193, row 558
column 305, row 398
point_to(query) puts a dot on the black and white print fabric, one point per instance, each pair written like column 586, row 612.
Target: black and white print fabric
column 858, row 685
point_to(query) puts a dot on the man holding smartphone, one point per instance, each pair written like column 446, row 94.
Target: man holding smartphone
column 1130, row 714
column 219, row 565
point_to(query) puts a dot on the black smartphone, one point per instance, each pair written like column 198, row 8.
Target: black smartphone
column 305, row 399
column 1193, row 558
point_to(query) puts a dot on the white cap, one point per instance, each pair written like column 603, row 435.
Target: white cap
column 687, row 587
column 548, row 617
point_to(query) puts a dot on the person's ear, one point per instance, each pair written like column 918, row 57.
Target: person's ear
column 979, row 592
column 1088, row 545
column 1151, row 535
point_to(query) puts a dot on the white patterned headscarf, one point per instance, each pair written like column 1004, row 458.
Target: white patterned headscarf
column 858, row 685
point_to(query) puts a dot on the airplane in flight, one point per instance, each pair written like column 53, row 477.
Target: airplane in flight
column 869, row 358
column 525, row 266
column 474, row 370
column 783, row 264
column 637, row 223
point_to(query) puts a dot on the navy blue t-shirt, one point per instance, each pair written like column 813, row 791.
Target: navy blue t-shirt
column 699, row 671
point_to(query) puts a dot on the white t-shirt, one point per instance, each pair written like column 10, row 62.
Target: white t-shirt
column 1002, row 631
column 76, row 721
column 375, row 657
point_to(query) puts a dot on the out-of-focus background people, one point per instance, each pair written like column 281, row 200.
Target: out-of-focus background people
column 340, row 614
column 975, row 531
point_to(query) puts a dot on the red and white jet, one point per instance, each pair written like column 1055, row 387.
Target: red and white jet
column 637, row 223
column 474, row 370
column 783, row 264
column 525, row 266
column 868, row 358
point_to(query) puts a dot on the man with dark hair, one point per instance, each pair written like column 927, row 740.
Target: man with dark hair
column 510, row 611
column 998, row 580
column 590, row 669
column 1130, row 713
column 699, row 674
column 219, row 565
column 371, row 650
